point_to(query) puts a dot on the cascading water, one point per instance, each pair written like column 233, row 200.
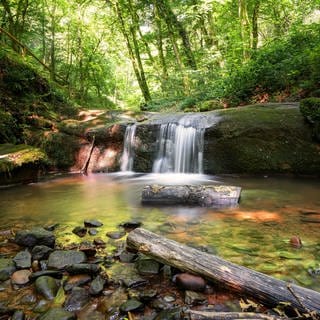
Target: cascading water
column 128, row 148
column 181, row 145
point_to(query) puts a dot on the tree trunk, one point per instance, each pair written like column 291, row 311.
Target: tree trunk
column 255, row 34
column 267, row 290
column 134, row 55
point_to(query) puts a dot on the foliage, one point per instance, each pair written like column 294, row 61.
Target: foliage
column 310, row 108
column 283, row 69
column 120, row 54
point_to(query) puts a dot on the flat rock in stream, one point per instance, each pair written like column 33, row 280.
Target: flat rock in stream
column 35, row 236
column 197, row 195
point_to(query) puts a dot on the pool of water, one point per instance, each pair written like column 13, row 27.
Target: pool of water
column 256, row 233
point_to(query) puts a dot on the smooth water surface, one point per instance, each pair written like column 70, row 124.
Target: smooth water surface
column 256, row 233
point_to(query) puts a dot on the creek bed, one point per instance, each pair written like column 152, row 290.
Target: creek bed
column 256, row 233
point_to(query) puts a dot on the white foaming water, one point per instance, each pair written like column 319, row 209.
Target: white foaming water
column 128, row 148
column 180, row 146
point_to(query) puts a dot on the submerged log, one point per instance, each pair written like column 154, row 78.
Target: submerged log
column 199, row 195
column 267, row 290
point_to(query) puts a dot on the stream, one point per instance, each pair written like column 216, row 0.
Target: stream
column 256, row 233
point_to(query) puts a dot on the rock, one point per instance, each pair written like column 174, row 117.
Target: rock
column 42, row 306
column 35, row 266
column 133, row 282
column 41, row 252
column 56, row 313
column 191, row 282
column 99, row 242
column 198, row 195
column 47, row 287
column 76, row 281
column 97, row 285
column 88, row 248
column 51, row 227
column 61, row 258
column 51, row 273
column 296, row 242
column 18, row 315
column 160, row 304
column 193, row 298
column 6, row 269
column 92, row 223
column 90, row 312
column 126, row 256
column 148, row 267
column 170, row 314
column 130, row 225
column 143, row 295
column 5, row 310
column 87, row 268
column 77, row 299
column 131, row 305
column 22, row 260
column 169, row 299
column 80, row 231
column 35, row 236
column 92, row 232
column 20, row 277
column 115, row 234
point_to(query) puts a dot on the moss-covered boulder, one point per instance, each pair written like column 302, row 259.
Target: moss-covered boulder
column 20, row 163
column 261, row 139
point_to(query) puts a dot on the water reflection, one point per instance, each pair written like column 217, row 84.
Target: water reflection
column 256, row 233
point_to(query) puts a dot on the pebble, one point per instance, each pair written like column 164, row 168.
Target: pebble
column 191, row 282
column 92, row 223
column 80, row 231
column 77, row 299
column 22, row 260
column 296, row 242
column 148, row 267
column 35, row 236
column 97, row 285
column 131, row 305
column 76, row 281
column 47, row 287
column 115, row 234
column 61, row 258
column 20, row 277
column 41, row 252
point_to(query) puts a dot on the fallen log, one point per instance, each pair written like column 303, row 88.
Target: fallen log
column 207, row 315
column 263, row 288
column 199, row 195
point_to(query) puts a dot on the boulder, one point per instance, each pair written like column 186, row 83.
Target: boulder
column 47, row 287
column 61, row 258
column 35, row 236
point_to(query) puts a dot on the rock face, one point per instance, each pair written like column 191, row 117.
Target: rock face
column 261, row 139
column 271, row 138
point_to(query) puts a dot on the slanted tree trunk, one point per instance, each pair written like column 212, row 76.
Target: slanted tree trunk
column 134, row 53
column 261, row 287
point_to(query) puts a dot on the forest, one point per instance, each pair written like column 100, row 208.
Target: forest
column 189, row 55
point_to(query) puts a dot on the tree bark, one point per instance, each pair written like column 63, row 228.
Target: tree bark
column 205, row 196
column 267, row 290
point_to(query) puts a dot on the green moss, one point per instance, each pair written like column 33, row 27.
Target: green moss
column 61, row 149
column 262, row 139
column 12, row 156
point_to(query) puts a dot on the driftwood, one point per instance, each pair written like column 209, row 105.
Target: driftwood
column 84, row 169
column 208, row 315
column 198, row 195
column 265, row 289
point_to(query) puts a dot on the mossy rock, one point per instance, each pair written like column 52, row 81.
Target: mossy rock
column 261, row 139
column 61, row 149
column 20, row 163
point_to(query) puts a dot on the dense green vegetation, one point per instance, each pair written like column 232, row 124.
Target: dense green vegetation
column 160, row 54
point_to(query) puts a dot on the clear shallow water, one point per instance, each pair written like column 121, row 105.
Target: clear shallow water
column 255, row 233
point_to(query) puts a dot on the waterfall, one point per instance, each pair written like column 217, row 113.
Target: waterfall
column 128, row 148
column 180, row 146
